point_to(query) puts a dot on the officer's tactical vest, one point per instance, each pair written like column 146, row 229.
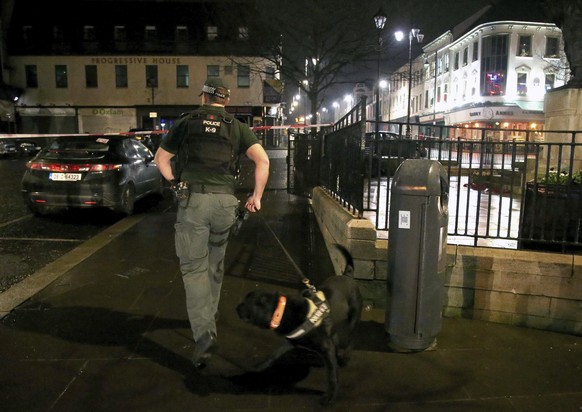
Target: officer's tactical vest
column 209, row 147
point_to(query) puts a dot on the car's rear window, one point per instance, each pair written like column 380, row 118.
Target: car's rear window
column 79, row 148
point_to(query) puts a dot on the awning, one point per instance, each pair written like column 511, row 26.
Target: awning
column 531, row 106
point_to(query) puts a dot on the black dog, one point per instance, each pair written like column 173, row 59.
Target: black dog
column 321, row 323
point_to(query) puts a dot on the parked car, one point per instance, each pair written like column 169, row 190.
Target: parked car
column 385, row 153
column 151, row 139
column 8, row 147
column 111, row 171
column 28, row 148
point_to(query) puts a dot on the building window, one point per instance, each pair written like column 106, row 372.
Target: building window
column 212, row 32
column 151, row 72
column 524, row 48
column 91, row 76
column 151, row 33
column 31, row 76
column 475, row 51
column 243, row 75
column 213, row 70
column 550, row 79
column 119, row 33
column 446, row 63
column 181, row 33
column 27, row 33
column 522, row 84
column 456, row 62
column 465, row 56
column 182, row 76
column 493, row 65
column 58, row 34
column 270, row 72
column 61, row 79
column 426, row 99
column 121, row 76
column 88, row 33
column 552, row 47
column 243, row 33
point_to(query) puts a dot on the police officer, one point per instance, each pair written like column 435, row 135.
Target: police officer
column 199, row 157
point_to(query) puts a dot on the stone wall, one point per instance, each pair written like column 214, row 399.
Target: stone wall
column 523, row 288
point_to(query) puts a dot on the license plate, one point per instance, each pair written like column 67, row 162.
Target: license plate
column 65, row 177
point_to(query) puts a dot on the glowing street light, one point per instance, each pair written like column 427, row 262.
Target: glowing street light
column 379, row 20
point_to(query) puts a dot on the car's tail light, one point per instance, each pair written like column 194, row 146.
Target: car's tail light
column 68, row 168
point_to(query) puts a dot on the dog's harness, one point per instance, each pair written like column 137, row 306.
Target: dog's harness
column 317, row 314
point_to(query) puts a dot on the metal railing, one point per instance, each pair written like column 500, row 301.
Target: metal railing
column 508, row 188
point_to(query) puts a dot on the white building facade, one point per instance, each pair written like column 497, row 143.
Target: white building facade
column 494, row 76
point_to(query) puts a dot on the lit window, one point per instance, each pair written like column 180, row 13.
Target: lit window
column 522, row 84
column 494, row 65
column 524, row 48
column 212, row 32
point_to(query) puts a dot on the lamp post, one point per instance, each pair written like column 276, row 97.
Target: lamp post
column 412, row 34
column 379, row 21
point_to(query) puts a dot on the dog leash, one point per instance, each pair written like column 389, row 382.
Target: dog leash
column 304, row 279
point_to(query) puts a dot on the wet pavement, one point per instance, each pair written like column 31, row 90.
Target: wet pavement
column 109, row 332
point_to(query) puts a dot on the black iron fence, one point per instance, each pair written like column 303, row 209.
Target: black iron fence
column 508, row 188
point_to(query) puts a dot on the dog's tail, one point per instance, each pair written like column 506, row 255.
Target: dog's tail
column 349, row 269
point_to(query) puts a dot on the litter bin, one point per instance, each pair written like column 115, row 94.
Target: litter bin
column 417, row 241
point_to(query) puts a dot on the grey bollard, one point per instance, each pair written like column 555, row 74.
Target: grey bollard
column 417, row 241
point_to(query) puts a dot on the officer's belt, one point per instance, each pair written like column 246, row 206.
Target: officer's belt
column 201, row 188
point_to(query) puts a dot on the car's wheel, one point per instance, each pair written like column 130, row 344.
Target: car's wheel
column 127, row 200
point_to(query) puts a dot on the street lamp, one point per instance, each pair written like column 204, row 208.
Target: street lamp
column 412, row 34
column 379, row 21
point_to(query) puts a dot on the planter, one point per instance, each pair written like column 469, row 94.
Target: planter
column 552, row 217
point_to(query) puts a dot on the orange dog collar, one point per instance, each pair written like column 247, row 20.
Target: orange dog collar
column 278, row 314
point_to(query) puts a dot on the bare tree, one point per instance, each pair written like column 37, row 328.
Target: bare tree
column 567, row 15
column 313, row 42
